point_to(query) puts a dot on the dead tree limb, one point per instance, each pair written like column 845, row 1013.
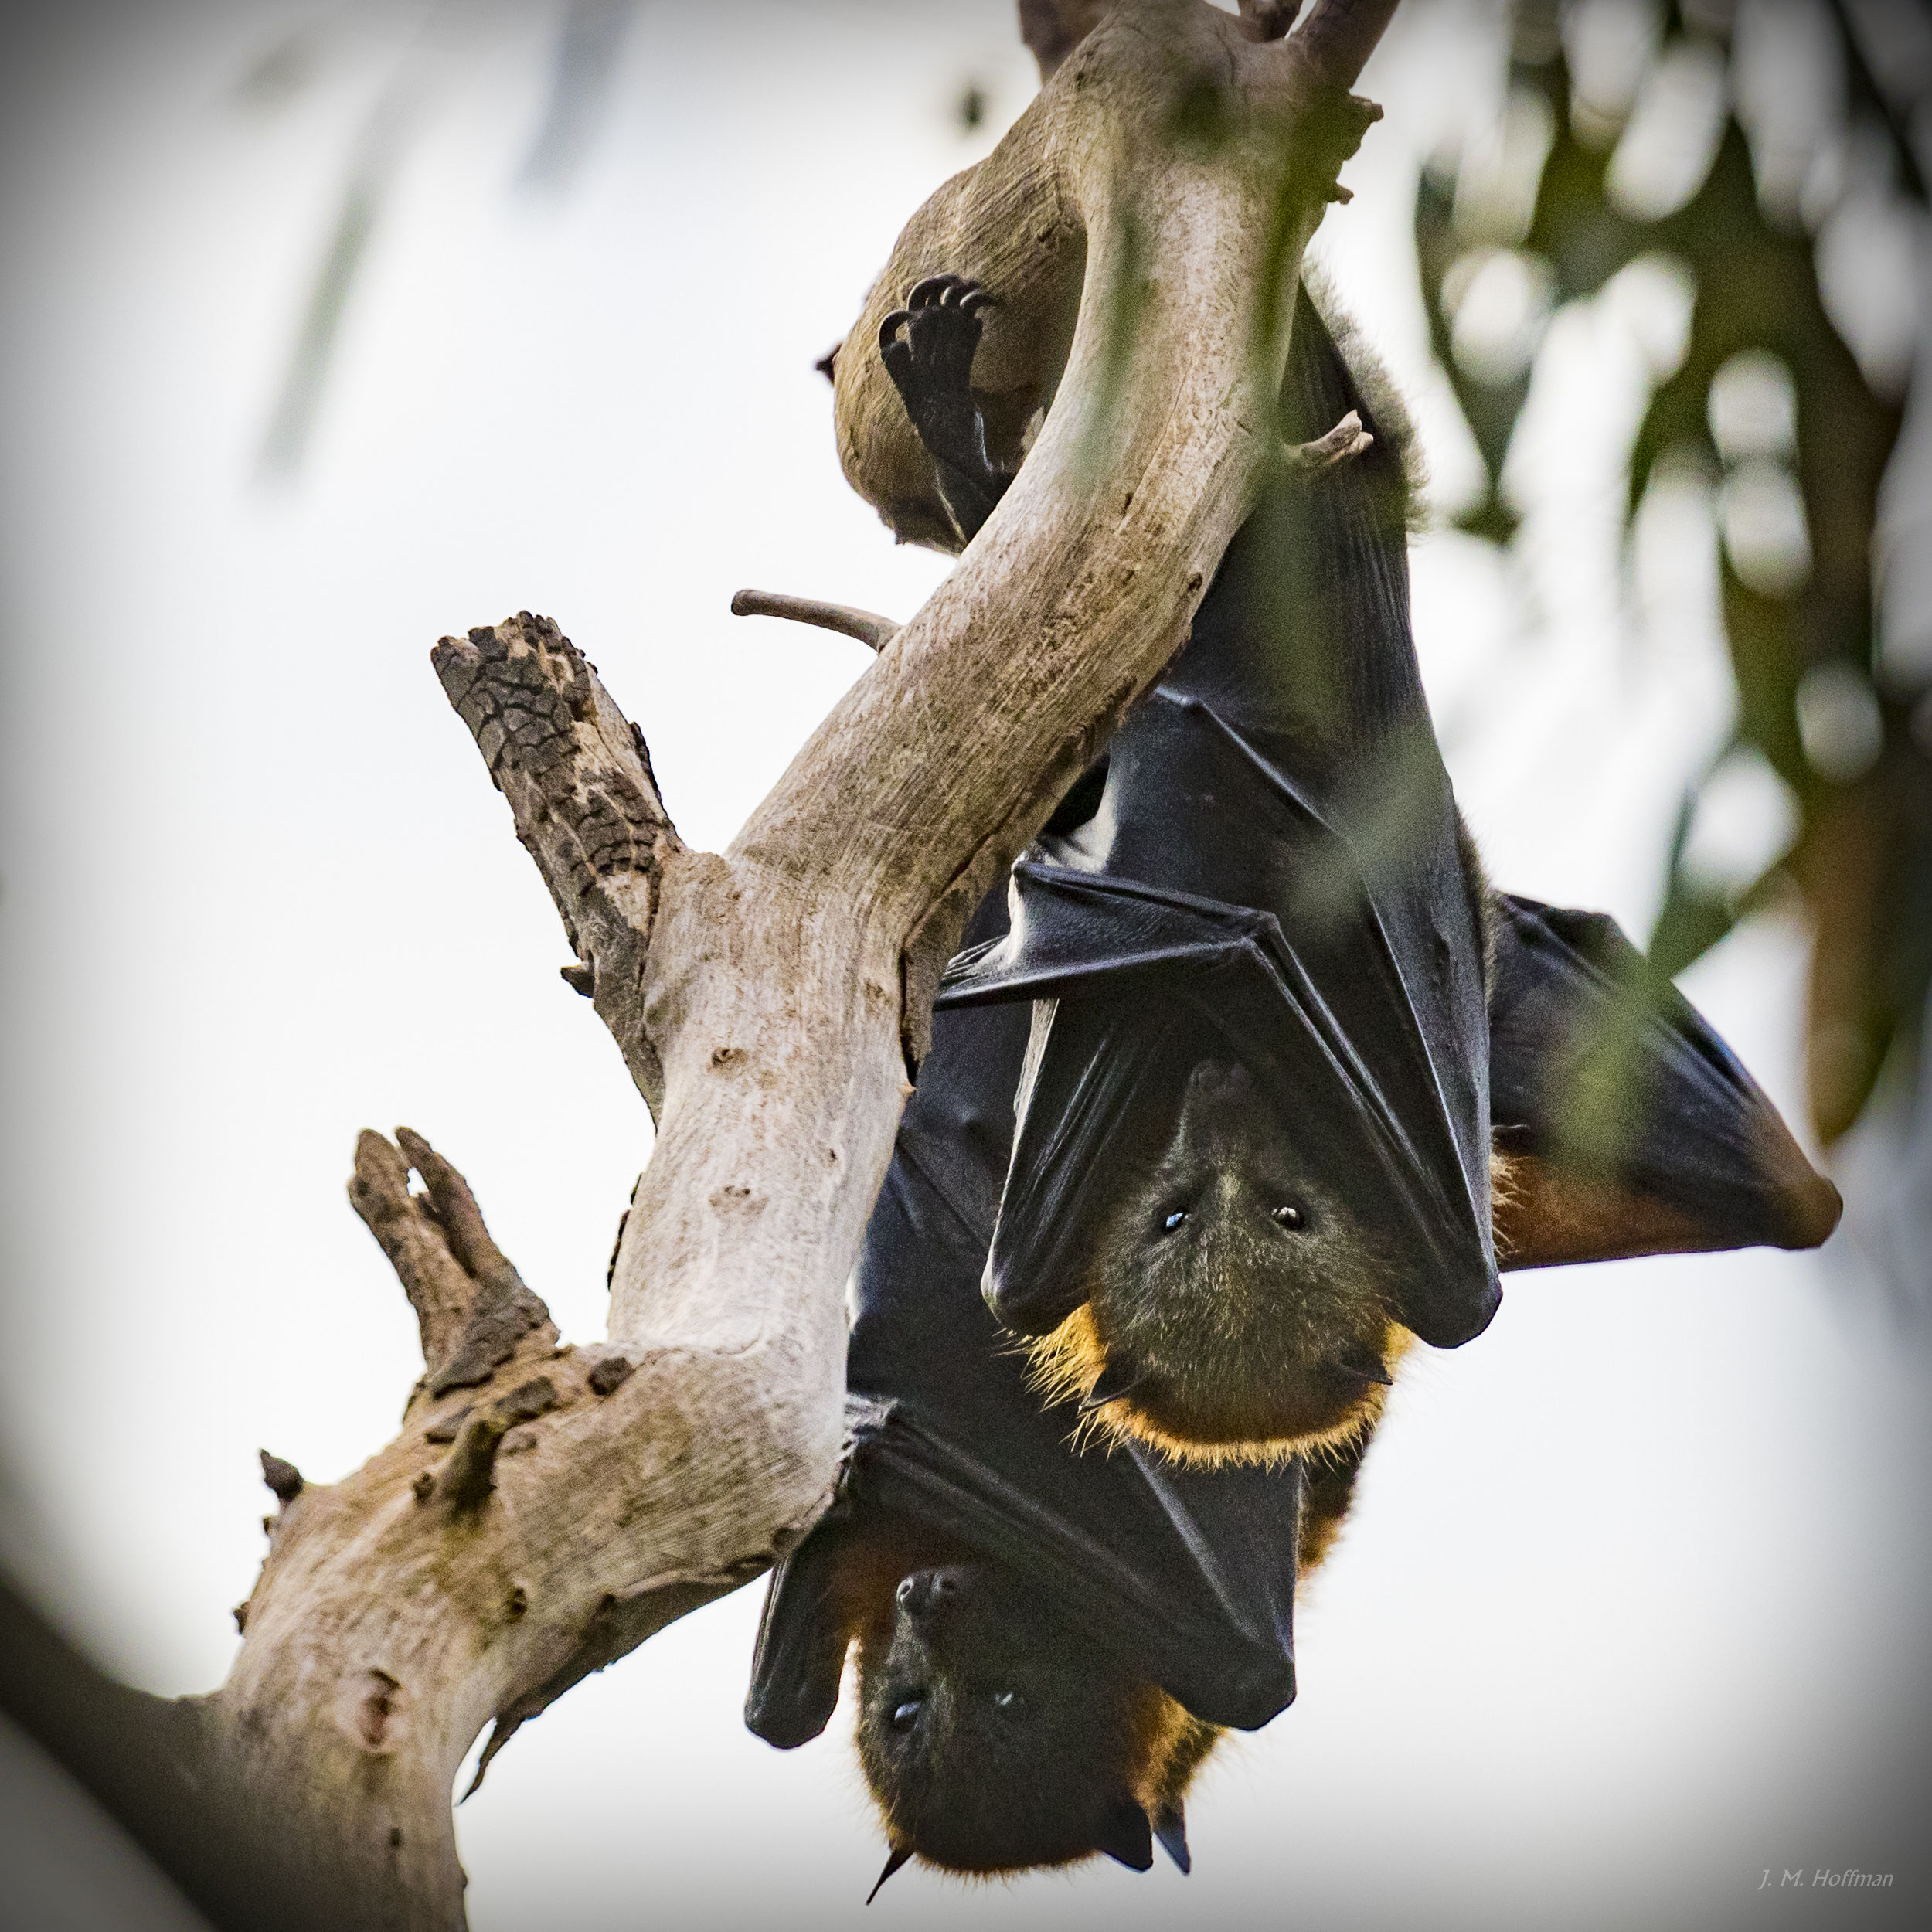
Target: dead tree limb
column 544, row 1510
column 867, row 626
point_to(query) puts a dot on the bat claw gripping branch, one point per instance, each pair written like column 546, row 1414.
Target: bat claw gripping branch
column 1344, row 443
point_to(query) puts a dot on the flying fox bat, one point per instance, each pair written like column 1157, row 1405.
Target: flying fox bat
column 1253, row 1159
column 1052, row 1637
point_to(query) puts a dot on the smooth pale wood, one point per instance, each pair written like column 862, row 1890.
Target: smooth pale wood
column 768, row 1001
column 867, row 626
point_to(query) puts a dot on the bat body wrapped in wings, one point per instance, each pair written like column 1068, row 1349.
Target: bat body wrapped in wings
column 1252, row 1156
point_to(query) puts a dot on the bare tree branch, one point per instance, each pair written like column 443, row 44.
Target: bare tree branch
column 526, row 1529
column 867, row 626
column 579, row 781
column 1339, row 36
column 545, row 1508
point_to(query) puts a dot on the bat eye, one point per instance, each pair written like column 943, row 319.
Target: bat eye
column 907, row 1714
column 1178, row 1219
column 1290, row 1218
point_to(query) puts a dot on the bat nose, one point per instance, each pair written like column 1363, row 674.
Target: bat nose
column 926, row 1595
column 1218, row 1083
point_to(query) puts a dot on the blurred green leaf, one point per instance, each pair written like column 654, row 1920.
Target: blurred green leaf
column 1798, row 507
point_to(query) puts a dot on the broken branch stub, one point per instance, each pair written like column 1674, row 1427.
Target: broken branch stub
column 1053, row 29
column 432, row 1279
column 1268, row 19
column 578, row 780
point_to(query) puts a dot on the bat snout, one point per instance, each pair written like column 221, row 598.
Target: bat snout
column 927, row 1596
column 1216, row 1084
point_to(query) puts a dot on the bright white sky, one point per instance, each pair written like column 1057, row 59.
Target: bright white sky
column 1632, row 1605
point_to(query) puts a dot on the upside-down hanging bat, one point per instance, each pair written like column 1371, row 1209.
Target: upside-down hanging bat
column 1253, row 1158
column 1050, row 1640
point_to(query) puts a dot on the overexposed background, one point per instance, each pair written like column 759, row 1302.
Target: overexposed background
column 1634, row 1604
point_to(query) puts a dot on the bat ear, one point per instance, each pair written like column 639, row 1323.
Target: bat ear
column 1170, row 1827
column 1126, row 1837
column 897, row 1857
column 1624, row 1124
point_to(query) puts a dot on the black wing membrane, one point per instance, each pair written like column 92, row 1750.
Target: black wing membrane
column 1632, row 1128
column 1146, row 979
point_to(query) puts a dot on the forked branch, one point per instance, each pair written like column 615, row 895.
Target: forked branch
column 545, row 1508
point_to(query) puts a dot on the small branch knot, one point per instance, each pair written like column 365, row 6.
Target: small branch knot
column 283, row 1478
column 534, row 1398
column 470, row 1474
column 609, row 1373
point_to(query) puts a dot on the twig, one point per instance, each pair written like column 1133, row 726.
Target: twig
column 867, row 626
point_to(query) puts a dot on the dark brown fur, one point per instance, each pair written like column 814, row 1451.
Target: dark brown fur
column 974, row 1786
column 995, row 1735
column 1252, row 1339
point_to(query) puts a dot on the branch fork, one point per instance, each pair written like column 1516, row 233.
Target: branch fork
column 546, row 1508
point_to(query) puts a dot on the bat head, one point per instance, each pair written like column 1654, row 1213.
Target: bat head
column 995, row 1736
column 1238, row 1308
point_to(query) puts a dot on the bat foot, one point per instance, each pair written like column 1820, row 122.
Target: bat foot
column 1343, row 444
column 928, row 348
